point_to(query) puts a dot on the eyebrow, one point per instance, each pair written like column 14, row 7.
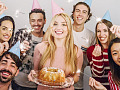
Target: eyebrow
column 3, row 60
column 83, row 10
column 57, row 22
column 4, row 26
column 7, row 27
column 114, row 51
column 11, row 62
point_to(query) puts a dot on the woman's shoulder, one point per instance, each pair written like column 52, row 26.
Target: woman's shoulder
column 42, row 45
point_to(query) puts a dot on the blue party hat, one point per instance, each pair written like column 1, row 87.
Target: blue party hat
column 16, row 49
column 2, row 15
column 88, row 2
column 107, row 16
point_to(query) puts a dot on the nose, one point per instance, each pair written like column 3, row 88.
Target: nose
column 35, row 23
column 80, row 12
column 101, row 33
column 59, row 26
column 7, row 67
column 8, row 32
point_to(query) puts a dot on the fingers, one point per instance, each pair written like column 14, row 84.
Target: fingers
column 91, row 83
column 24, row 46
column 116, row 30
column 97, row 50
column 1, row 49
column 112, row 29
column 2, row 7
column 30, row 76
column 70, row 80
column 6, row 46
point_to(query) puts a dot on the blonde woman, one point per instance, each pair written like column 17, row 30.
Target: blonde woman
column 59, row 50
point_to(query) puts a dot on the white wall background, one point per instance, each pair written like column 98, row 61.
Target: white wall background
column 98, row 7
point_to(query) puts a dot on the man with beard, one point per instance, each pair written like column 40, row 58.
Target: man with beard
column 37, row 20
column 9, row 68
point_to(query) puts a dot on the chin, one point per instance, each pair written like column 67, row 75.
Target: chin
column 6, row 40
column 36, row 31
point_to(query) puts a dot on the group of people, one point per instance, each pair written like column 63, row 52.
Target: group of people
column 70, row 47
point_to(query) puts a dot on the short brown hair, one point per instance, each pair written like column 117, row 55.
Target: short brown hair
column 82, row 3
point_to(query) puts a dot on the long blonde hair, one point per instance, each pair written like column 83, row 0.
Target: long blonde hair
column 70, row 48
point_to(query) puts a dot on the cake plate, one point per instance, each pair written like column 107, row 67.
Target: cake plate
column 67, row 83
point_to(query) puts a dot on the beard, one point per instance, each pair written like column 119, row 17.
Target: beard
column 6, row 79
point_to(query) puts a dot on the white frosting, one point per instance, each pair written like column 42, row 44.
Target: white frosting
column 58, row 70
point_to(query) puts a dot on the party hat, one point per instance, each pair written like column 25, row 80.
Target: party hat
column 88, row 2
column 107, row 16
column 35, row 5
column 2, row 15
column 16, row 49
column 55, row 9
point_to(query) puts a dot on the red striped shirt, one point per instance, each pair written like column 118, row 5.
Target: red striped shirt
column 99, row 66
column 113, row 86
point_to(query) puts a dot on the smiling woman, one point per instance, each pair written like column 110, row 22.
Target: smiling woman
column 59, row 50
column 98, row 54
column 7, row 27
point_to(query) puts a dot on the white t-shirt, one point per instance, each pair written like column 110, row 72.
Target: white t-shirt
column 83, row 40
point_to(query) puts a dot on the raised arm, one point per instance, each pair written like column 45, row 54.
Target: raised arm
column 96, row 61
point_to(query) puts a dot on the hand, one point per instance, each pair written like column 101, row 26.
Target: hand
column 97, row 50
column 70, row 80
column 116, row 30
column 95, row 85
column 25, row 46
column 3, row 47
column 30, row 76
column 2, row 8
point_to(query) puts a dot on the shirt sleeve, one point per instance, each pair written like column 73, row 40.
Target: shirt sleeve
column 96, row 63
column 113, row 86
